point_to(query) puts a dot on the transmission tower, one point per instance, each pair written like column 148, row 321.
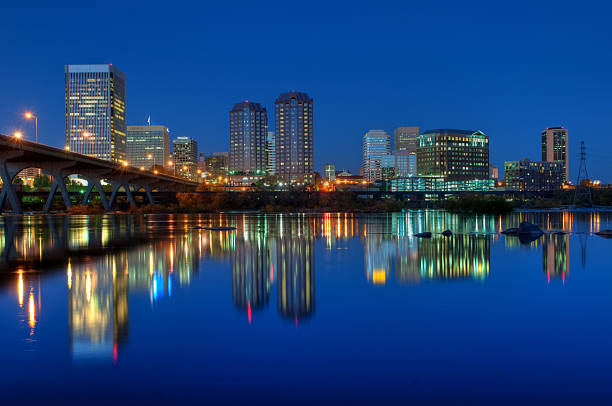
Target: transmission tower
column 583, row 191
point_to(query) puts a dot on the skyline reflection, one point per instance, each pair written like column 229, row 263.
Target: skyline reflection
column 111, row 260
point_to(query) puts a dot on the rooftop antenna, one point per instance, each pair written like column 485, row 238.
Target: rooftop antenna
column 583, row 191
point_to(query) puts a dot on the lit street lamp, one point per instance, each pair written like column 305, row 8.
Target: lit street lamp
column 17, row 134
column 150, row 156
column 30, row 116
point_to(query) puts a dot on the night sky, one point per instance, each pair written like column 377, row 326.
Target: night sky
column 510, row 69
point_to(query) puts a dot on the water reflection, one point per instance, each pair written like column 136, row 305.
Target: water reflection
column 110, row 260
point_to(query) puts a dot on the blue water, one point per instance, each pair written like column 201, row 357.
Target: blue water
column 304, row 308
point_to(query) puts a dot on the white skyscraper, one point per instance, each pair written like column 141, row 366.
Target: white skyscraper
column 95, row 111
column 376, row 144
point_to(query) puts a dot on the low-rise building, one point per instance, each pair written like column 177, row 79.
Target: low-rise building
column 527, row 175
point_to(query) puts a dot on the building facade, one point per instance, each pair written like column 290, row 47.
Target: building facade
column 217, row 165
column 405, row 139
column 330, row 172
column 248, row 136
column 293, row 120
column 148, row 146
column 555, row 148
column 387, row 167
column 453, row 154
column 185, row 157
column 96, row 111
column 440, row 184
column 527, row 175
column 376, row 145
column 271, row 153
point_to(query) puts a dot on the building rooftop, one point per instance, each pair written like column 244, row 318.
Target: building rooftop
column 250, row 105
column 450, row 131
column 301, row 97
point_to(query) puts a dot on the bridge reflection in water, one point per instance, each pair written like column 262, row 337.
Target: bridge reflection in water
column 107, row 259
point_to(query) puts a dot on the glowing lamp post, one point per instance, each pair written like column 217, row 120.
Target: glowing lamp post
column 30, row 116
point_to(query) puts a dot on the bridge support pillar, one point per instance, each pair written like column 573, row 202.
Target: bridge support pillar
column 91, row 183
column 128, row 192
column 58, row 182
column 147, row 189
column 8, row 189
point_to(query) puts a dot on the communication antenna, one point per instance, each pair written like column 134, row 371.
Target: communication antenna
column 583, row 191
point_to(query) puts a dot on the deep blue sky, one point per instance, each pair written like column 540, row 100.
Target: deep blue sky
column 507, row 68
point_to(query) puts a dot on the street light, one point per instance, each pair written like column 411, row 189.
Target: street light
column 150, row 156
column 28, row 115
column 17, row 134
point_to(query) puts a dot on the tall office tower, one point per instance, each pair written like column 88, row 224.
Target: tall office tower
column 148, row 145
column 293, row 120
column 248, row 134
column 376, row 144
column 271, row 153
column 405, row 138
column 95, row 111
column 185, row 156
column 453, row 154
column 555, row 147
column 330, row 172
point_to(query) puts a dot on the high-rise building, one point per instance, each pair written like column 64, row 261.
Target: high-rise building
column 527, row 175
column 96, row 111
column 453, row 154
column 405, row 138
column 185, row 157
column 376, row 144
column 248, row 135
column 330, row 172
column 555, row 147
column 293, row 121
column 148, row 145
column 271, row 153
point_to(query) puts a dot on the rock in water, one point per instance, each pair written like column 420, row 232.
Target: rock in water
column 605, row 233
column 426, row 234
column 526, row 228
column 511, row 231
column 447, row 233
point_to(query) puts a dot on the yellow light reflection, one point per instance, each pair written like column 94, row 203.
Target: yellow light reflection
column 31, row 312
column 20, row 289
column 88, row 286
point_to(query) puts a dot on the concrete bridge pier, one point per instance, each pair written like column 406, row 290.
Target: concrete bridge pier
column 58, row 183
column 8, row 171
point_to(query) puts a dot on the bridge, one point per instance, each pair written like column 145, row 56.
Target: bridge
column 17, row 154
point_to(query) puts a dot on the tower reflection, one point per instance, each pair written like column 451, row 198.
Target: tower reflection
column 555, row 256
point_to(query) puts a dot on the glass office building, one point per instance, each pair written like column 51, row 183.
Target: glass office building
column 185, row 157
column 405, row 138
column 293, row 128
column 453, row 154
column 96, row 111
column 376, row 145
column 148, row 145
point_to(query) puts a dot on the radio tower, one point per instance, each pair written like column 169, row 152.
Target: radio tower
column 583, row 191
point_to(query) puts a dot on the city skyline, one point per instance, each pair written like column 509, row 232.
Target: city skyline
column 523, row 97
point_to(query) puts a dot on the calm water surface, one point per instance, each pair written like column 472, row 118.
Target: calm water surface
column 304, row 308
